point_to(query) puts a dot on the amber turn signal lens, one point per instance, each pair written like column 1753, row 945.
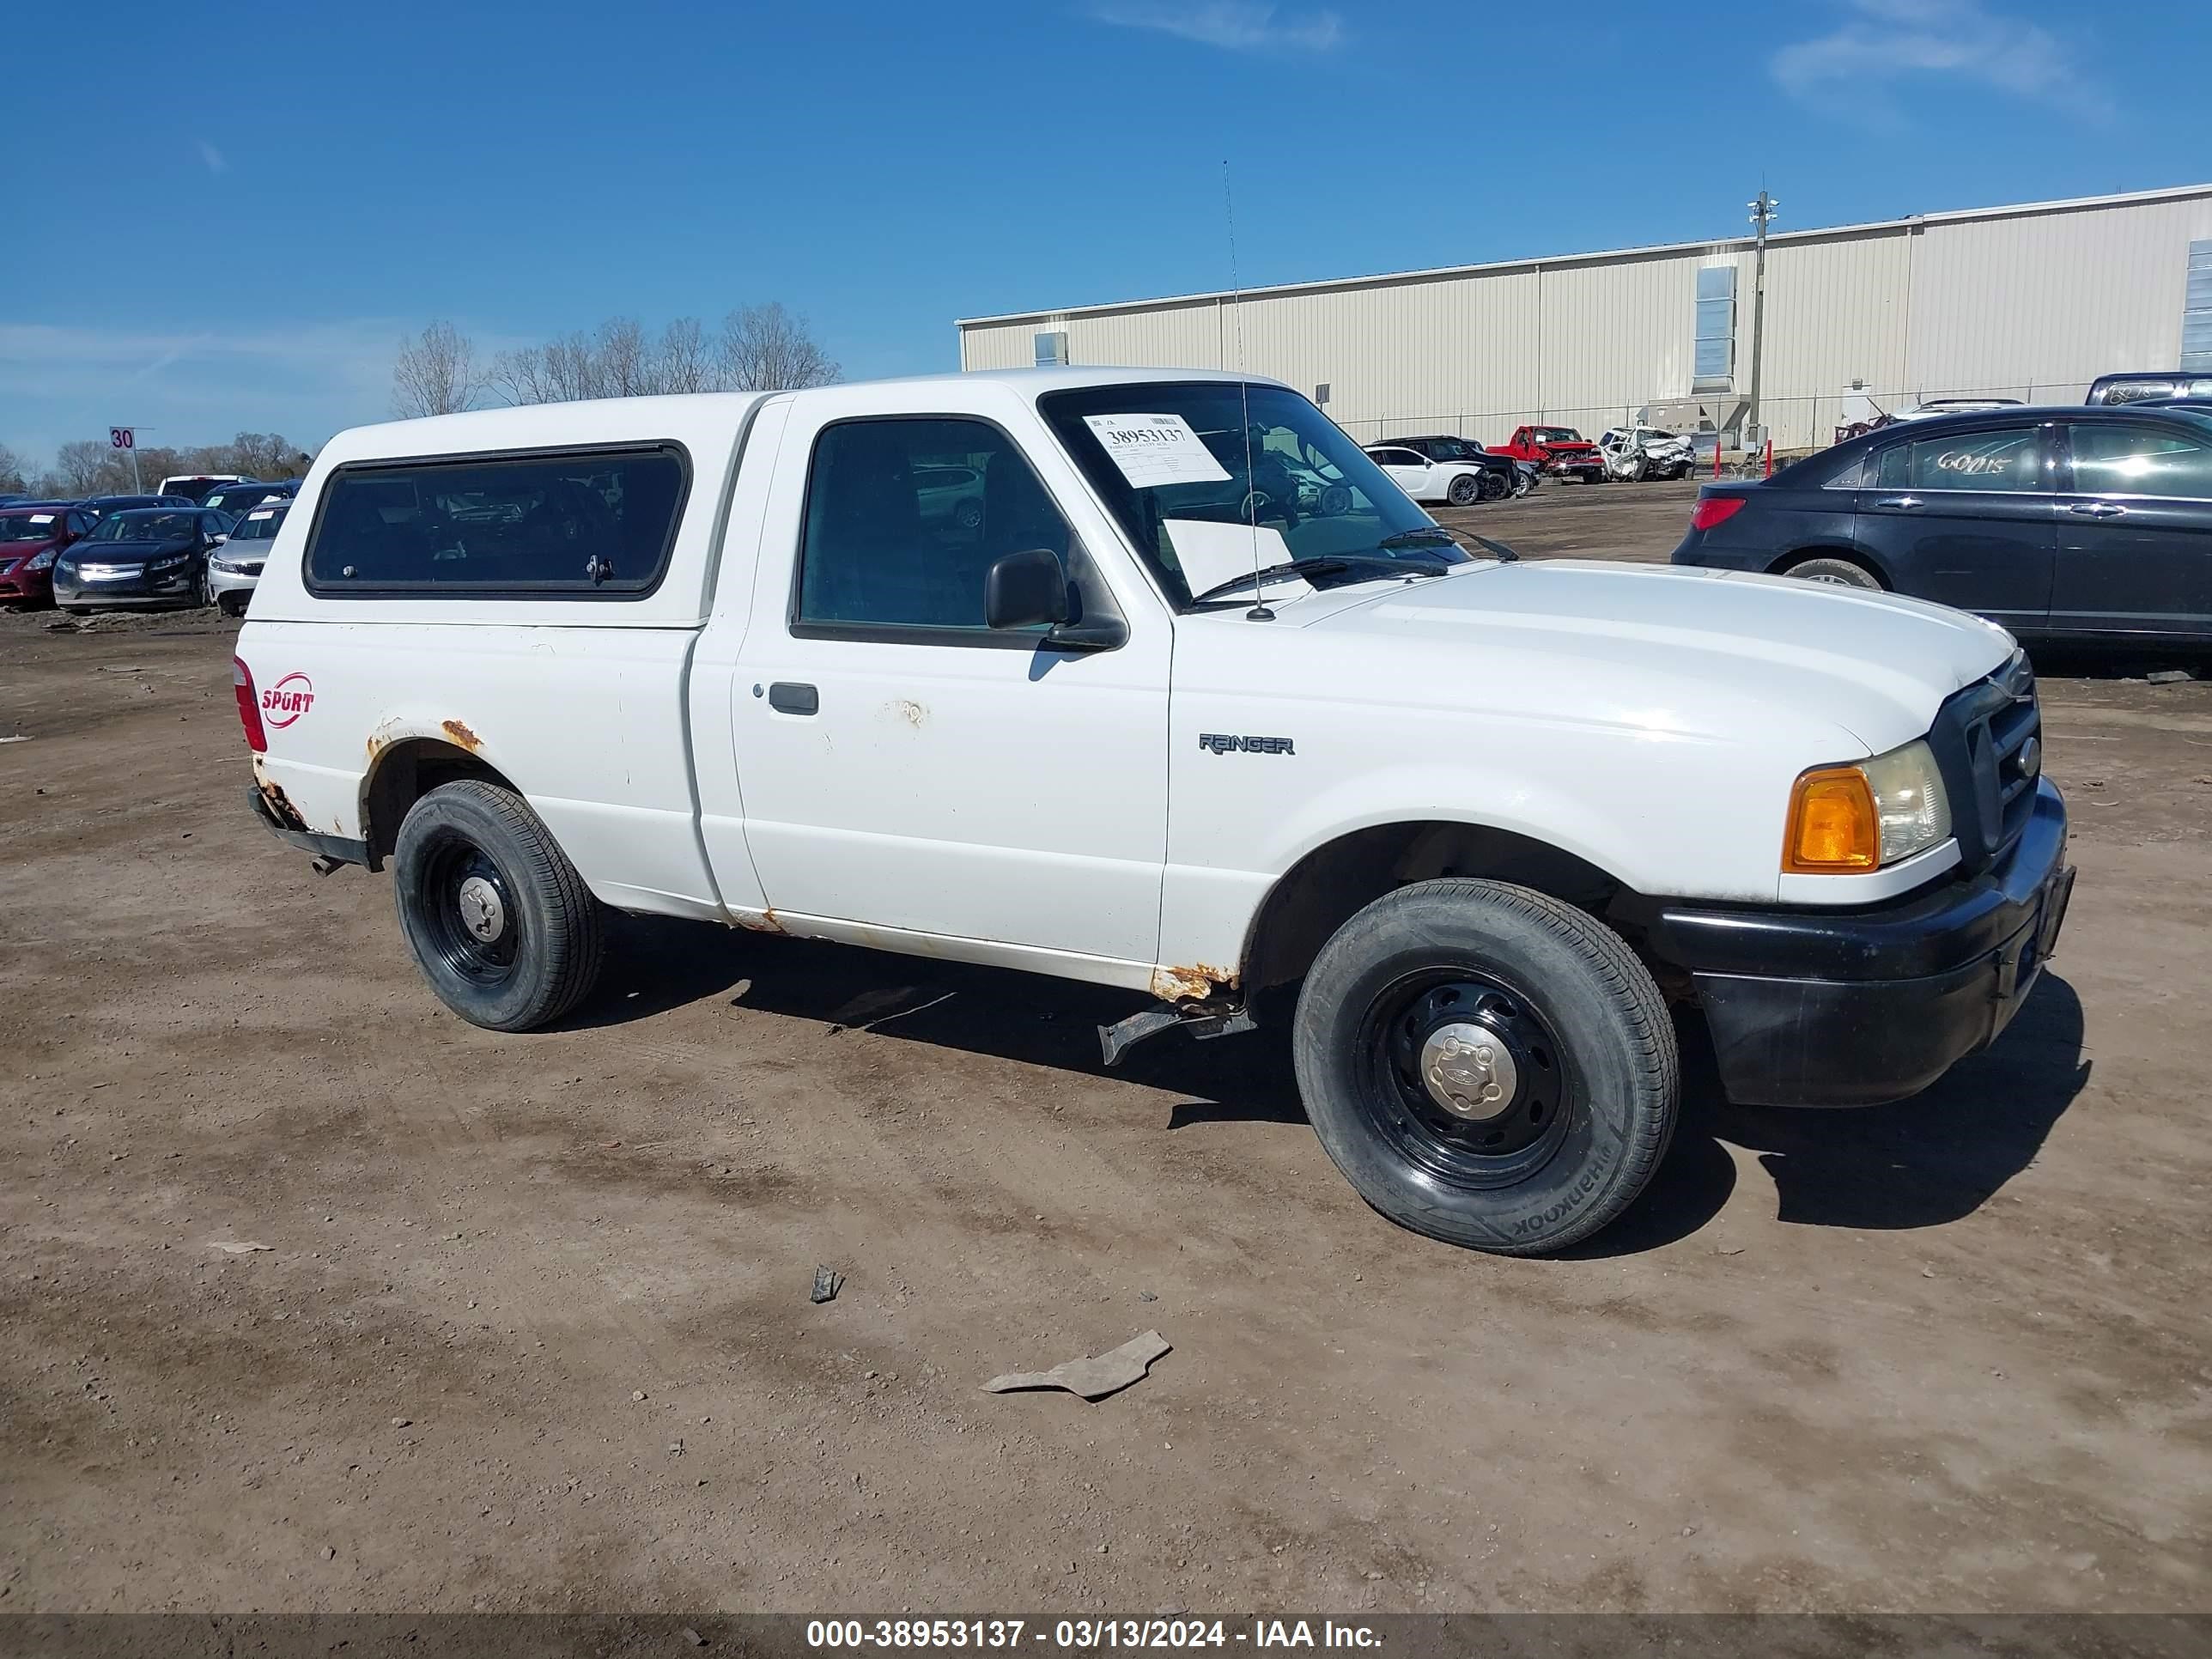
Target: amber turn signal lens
column 1833, row 826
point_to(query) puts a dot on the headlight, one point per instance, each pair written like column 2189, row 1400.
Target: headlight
column 41, row 560
column 1847, row 818
column 169, row 563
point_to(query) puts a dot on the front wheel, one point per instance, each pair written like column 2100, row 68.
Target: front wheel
column 495, row 916
column 1494, row 486
column 1464, row 490
column 1486, row 1065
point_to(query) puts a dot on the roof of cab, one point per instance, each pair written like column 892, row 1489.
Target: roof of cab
column 525, row 426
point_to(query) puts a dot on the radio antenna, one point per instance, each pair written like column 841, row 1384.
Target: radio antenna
column 1259, row 612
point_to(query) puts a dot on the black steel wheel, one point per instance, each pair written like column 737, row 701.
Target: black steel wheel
column 1488, row 1065
column 1494, row 486
column 494, row 914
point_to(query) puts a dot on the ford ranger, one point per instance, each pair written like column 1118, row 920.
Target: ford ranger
column 1132, row 706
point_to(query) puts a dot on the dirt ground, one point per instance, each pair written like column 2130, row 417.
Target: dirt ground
column 531, row 1328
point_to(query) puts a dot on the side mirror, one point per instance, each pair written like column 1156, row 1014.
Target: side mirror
column 1025, row 589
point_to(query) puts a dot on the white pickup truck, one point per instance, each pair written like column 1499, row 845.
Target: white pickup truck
column 1077, row 672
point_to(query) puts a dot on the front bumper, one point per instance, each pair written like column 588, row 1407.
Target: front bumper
column 1856, row 1007
column 22, row 585
column 221, row 582
column 177, row 586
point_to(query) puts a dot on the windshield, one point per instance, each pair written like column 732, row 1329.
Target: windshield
column 1456, row 449
column 1178, row 468
column 30, row 526
column 1555, row 434
column 259, row 524
column 144, row 527
column 233, row 498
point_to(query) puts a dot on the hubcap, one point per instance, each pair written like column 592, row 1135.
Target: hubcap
column 1469, row 1071
column 482, row 911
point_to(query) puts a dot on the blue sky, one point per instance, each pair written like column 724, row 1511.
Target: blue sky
column 228, row 222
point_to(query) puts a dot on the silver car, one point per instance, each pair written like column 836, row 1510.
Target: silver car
column 234, row 568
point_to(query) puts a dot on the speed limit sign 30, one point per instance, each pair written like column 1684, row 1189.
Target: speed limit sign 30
column 122, row 437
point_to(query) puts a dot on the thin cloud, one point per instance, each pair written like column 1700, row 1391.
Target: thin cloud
column 1232, row 25
column 213, row 157
column 1889, row 42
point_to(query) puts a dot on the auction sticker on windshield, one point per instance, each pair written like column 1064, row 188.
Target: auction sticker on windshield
column 1152, row 450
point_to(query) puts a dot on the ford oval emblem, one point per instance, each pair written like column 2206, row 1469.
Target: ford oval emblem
column 2031, row 757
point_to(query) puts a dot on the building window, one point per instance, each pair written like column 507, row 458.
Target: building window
column 1714, row 364
column 2196, row 311
column 1052, row 349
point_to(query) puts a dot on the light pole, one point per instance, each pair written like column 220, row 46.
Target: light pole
column 1762, row 210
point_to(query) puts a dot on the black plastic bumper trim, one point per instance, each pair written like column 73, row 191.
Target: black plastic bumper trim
column 340, row 849
column 1858, row 1008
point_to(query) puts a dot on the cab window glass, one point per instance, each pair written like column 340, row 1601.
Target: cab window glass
column 2006, row 459
column 2123, row 460
column 904, row 518
column 579, row 524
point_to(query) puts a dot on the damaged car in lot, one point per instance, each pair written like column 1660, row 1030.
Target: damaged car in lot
column 140, row 557
column 1633, row 454
column 1453, row 820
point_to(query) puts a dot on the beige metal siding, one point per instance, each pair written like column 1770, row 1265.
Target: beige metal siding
column 2029, row 302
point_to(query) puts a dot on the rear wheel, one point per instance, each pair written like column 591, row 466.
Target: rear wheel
column 1838, row 573
column 1486, row 1065
column 1464, row 490
column 495, row 916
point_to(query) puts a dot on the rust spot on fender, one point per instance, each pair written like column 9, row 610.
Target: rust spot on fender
column 766, row 922
column 461, row 734
column 1195, row 983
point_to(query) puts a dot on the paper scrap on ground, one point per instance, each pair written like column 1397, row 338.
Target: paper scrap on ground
column 1210, row 554
column 1156, row 449
column 241, row 1248
column 1094, row 1378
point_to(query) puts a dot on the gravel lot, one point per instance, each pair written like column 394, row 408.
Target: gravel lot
column 531, row 1330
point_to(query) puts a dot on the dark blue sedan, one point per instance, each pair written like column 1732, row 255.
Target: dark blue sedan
column 2079, row 523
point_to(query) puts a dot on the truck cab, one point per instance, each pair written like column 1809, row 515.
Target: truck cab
column 1075, row 672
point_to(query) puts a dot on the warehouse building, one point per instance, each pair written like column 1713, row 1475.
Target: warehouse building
column 2031, row 302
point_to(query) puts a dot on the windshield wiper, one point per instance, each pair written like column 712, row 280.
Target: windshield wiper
column 1428, row 534
column 1329, row 565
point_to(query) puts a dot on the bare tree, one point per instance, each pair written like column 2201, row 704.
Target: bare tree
column 768, row 349
column 12, row 480
column 435, row 374
column 81, row 465
column 687, row 362
column 625, row 359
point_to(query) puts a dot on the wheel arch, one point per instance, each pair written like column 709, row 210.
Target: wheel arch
column 406, row 765
column 1322, row 890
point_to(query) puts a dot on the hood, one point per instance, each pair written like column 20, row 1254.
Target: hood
column 1564, row 447
column 1690, row 651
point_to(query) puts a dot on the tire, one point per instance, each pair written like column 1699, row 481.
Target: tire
column 969, row 514
column 1840, row 573
column 1494, row 487
column 1464, row 490
column 1589, row 1096
column 203, row 590
column 551, row 936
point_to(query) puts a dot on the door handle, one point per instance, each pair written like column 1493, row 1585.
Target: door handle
column 788, row 697
column 1906, row 501
column 2096, row 509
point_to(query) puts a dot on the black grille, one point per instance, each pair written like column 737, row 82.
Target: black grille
column 1988, row 740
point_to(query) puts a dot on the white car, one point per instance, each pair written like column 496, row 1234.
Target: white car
column 1458, row 482
column 1454, row 821
column 1638, row 452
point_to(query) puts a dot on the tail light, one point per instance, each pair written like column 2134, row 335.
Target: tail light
column 1712, row 510
column 249, row 706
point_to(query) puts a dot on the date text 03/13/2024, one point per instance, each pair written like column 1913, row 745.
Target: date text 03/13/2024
column 1087, row 1634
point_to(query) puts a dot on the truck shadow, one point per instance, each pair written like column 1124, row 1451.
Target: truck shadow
column 1918, row 1163
column 1924, row 1162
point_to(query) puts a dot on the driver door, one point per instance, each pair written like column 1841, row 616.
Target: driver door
column 902, row 765
column 1409, row 469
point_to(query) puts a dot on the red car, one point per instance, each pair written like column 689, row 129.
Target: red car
column 1559, row 450
column 32, row 535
